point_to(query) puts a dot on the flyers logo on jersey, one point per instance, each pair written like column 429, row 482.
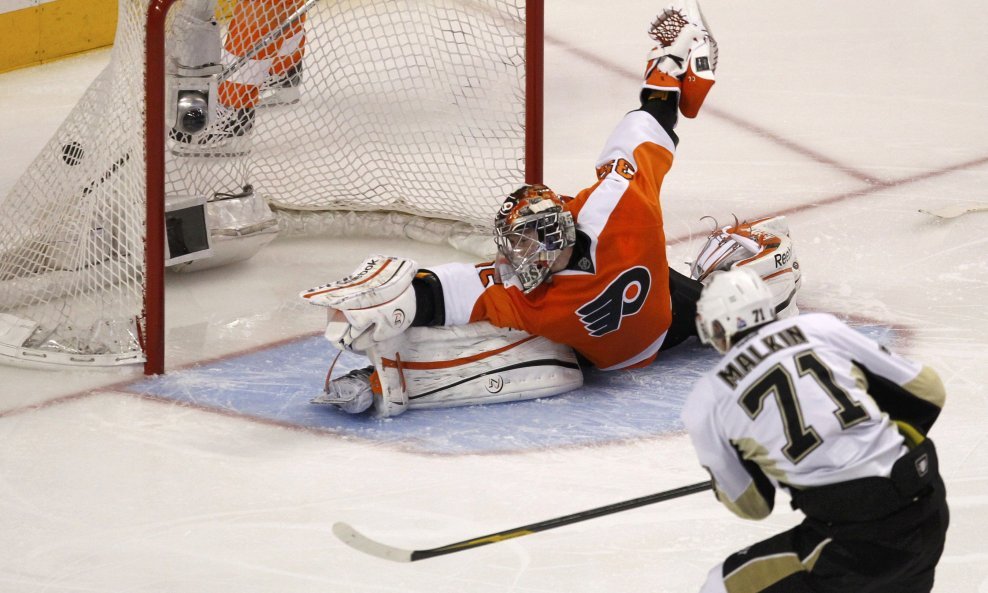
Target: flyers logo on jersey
column 623, row 297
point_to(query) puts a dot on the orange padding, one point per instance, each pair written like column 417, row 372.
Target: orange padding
column 375, row 383
column 238, row 95
column 694, row 91
column 660, row 79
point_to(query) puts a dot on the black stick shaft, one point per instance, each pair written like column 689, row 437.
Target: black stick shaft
column 560, row 521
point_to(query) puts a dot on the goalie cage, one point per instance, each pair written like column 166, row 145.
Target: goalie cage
column 400, row 100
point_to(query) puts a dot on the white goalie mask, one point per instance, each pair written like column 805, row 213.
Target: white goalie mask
column 531, row 231
column 732, row 302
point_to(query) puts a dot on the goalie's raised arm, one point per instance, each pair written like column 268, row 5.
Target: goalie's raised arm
column 684, row 60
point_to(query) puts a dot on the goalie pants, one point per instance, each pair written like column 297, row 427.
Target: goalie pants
column 895, row 554
column 684, row 292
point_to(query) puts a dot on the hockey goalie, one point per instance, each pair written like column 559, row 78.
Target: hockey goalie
column 577, row 281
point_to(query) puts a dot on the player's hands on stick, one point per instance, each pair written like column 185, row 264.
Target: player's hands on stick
column 358, row 541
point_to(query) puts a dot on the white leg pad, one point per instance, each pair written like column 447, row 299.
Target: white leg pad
column 441, row 367
column 763, row 246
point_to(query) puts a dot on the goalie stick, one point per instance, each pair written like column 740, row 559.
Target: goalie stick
column 358, row 541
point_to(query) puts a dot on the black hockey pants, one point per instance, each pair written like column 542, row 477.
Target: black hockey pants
column 897, row 553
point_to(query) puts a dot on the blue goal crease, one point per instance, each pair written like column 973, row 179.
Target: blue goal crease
column 276, row 385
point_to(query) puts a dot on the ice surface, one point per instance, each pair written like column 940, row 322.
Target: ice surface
column 848, row 117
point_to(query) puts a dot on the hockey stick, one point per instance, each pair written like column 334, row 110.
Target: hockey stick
column 358, row 541
column 953, row 211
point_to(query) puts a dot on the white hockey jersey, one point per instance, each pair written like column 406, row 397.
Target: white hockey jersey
column 805, row 401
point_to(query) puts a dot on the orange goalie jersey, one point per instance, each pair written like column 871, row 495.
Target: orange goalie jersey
column 612, row 302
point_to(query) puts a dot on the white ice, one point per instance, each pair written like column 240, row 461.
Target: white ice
column 847, row 116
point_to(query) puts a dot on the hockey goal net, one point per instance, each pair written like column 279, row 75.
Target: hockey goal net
column 421, row 109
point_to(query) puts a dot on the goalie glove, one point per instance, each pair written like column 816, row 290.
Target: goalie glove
column 374, row 304
column 685, row 59
column 762, row 245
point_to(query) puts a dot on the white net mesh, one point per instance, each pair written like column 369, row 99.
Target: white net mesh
column 404, row 106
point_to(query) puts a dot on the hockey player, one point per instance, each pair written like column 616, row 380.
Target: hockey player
column 840, row 422
column 587, row 274
column 262, row 53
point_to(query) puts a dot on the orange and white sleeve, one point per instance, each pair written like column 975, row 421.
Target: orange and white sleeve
column 471, row 294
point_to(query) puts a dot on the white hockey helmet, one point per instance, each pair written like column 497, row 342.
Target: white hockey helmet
column 531, row 230
column 732, row 302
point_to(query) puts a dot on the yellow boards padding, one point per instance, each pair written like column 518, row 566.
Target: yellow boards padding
column 224, row 10
column 36, row 31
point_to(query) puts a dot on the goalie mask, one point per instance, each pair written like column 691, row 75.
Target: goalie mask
column 732, row 302
column 531, row 231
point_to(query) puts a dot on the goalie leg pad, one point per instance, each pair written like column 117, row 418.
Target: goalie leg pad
column 441, row 367
column 762, row 245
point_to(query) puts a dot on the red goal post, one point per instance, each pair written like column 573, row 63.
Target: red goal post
column 104, row 170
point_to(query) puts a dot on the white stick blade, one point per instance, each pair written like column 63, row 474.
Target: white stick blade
column 362, row 543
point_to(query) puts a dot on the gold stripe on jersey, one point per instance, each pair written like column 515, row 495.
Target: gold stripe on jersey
column 859, row 378
column 752, row 450
column 928, row 387
column 750, row 505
